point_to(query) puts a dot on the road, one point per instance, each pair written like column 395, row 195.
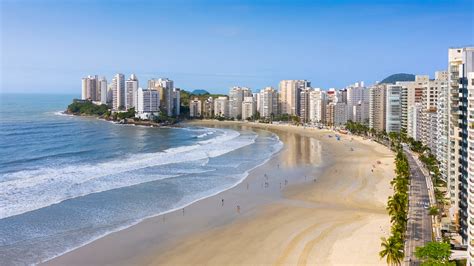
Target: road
column 419, row 228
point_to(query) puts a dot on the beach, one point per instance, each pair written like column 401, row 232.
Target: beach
column 319, row 201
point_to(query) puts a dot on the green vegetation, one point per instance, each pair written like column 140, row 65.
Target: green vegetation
column 397, row 207
column 357, row 128
column 87, row 108
column 398, row 77
column 434, row 253
column 164, row 119
column 392, row 250
column 128, row 114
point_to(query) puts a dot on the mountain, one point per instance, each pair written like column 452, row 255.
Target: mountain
column 199, row 92
column 398, row 77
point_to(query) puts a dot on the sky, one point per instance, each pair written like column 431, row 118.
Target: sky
column 48, row 46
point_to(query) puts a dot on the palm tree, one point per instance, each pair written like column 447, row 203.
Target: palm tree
column 392, row 250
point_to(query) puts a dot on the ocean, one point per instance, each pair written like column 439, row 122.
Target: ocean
column 66, row 181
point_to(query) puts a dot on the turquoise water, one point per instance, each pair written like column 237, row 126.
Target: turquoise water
column 65, row 181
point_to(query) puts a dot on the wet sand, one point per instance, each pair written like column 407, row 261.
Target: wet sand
column 322, row 205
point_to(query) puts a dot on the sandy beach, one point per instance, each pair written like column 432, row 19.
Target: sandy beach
column 319, row 201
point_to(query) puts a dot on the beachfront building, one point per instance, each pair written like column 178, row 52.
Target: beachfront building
column 103, row 90
column 90, row 88
column 268, row 102
column 317, row 106
column 412, row 92
column 165, row 88
column 221, row 106
column 341, row 114
column 429, row 103
column 195, row 108
column 304, row 105
column 236, row 97
column 118, row 89
column 148, row 103
column 208, row 108
column 358, row 102
column 461, row 62
column 468, row 82
column 414, row 115
column 393, row 105
column 249, row 108
column 131, row 91
column 377, row 107
column 290, row 95
column 442, row 130
column 176, row 102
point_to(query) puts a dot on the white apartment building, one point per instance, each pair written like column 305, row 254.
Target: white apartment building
column 304, row 104
column 377, row 107
column 393, row 105
column 358, row 103
column 470, row 154
column 290, row 95
column 103, row 90
column 460, row 169
column 195, row 108
column 317, row 106
column 268, row 102
column 90, row 85
column 221, row 106
column 118, row 89
column 415, row 121
column 176, row 101
column 442, row 138
column 148, row 103
column 340, row 114
column 131, row 92
column 236, row 97
column 208, row 107
column 249, row 108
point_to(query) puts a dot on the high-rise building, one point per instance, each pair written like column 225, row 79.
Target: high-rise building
column 148, row 103
column 304, row 104
column 429, row 104
column 249, row 108
column 103, row 90
column 131, row 91
column 358, row 103
column 165, row 88
column 393, row 108
column 412, row 93
column 118, row 89
column 195, row 108
column 461, row 63
column 317, row 106
column 236, row 97
column 442, row 130
column 89, row 88
column 176, row 101
column 221, row 106
column 268, row 102
column 290, row 95
column 377, row 107
column 468, row 83
column 340, row 114
column 208, row 107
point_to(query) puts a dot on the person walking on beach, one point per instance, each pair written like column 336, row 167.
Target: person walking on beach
column 222, row 202
column 183, row 211
column 238, row 209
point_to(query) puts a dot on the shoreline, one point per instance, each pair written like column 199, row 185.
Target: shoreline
column 141, row 242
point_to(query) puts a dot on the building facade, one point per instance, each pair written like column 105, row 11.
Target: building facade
column 393, row 112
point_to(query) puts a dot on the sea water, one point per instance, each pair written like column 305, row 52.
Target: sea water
column 66, row 181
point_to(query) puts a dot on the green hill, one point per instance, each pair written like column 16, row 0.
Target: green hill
column 398, row 77
column 199, row 92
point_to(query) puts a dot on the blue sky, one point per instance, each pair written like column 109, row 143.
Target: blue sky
column 47, row 46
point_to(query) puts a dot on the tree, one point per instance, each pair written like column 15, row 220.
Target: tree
column 433, row 210
column 392, row 250
column 434, row 253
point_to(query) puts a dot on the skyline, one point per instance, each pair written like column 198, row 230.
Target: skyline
column 216, row 46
